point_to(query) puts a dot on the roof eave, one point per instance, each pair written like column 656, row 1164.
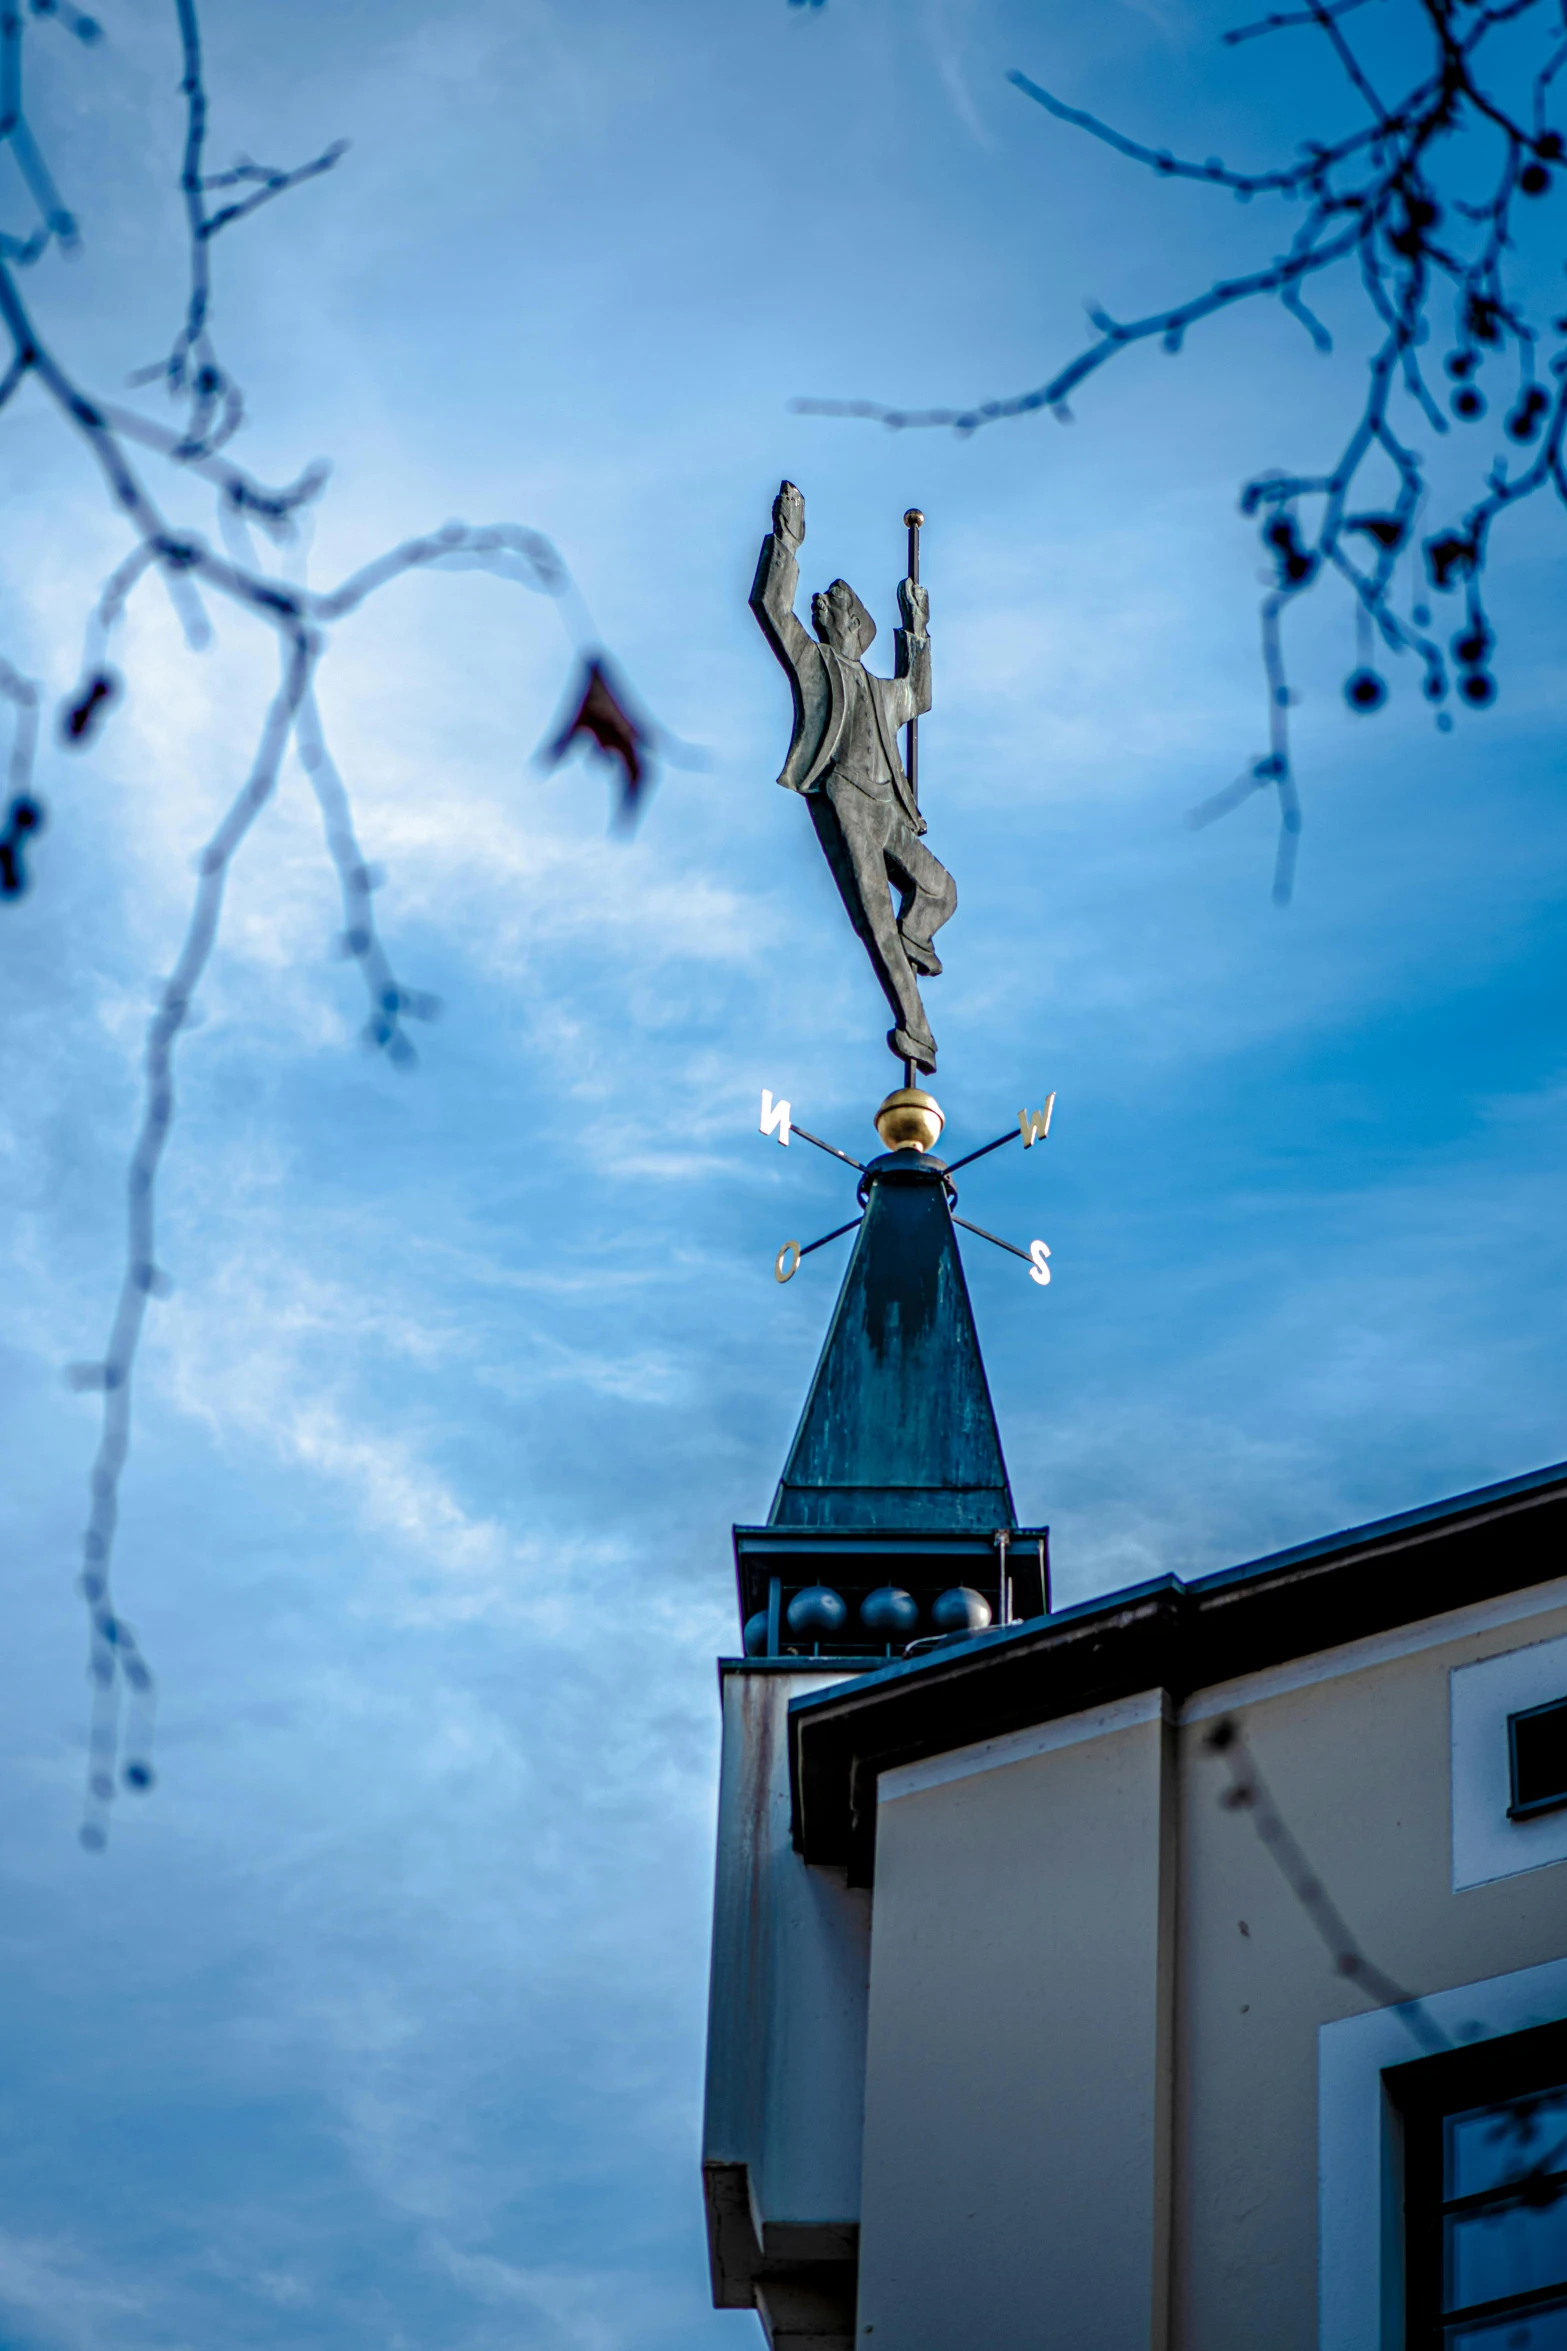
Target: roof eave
column 1161, row 1634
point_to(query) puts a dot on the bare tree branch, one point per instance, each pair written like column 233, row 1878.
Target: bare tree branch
column 191, row 572
column 1384, row 200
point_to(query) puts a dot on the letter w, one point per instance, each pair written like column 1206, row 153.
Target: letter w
column 1034, row 1125
column 776, row 1114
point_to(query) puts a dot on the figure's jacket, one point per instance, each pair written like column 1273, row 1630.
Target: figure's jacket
column 822, row 686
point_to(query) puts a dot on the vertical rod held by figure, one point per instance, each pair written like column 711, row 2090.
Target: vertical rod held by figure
column 911, row 733
column 913, row 518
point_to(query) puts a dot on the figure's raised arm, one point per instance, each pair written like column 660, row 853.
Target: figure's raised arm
column 777, row 577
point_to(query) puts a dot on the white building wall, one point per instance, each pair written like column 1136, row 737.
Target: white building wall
column 1078, row 2108
column 1356, row 1747
column 1016, row 2179
column 1092, row 2066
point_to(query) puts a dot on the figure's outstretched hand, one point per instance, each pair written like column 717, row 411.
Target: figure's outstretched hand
column 789, row 515
column 914, row 604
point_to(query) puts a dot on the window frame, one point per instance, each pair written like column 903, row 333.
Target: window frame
column 1487, row 1844
column 1517, row 1810
column 1425, row 2093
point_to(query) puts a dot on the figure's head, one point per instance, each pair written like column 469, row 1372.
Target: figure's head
column 842, row 621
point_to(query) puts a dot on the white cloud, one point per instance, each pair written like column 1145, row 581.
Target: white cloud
column 62, row 2294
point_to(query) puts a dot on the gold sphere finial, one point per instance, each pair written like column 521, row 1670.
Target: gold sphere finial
column 910, row 1120
column 914, row 519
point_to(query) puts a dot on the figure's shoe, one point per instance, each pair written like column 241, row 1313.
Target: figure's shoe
column 920, row 1050
column 921, row 954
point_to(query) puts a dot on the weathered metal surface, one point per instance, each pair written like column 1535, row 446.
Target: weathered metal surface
column 844, row 758
column 856, row 1561
column 899, row 1429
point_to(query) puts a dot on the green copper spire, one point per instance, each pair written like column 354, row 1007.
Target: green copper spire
column 898, row 1429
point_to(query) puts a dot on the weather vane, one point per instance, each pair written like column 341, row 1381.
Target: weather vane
column 864, row 802
column 910, row 1121
column 843, row 759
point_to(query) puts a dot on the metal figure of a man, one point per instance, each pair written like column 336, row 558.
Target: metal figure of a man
column 844, row 759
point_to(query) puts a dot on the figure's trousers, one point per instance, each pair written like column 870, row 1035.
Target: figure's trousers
column 870, row 843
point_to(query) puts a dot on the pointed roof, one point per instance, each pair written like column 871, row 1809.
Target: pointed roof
column 898, row 1429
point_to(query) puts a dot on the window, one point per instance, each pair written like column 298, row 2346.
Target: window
column 1497, row 1831
column 1485, row 2195
column 1537, row 1747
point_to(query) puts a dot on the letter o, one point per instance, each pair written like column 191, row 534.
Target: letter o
column 781, row 1273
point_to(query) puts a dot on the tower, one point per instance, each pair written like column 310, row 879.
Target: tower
column 891, row 1538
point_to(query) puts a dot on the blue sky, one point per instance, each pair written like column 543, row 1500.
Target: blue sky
column 380, row 2023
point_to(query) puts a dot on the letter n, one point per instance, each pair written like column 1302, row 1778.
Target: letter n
column 776, row 1114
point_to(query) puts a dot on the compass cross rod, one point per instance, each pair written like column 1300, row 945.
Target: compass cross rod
column 969, row 1157
column 996, row 1237
column 807, row 1137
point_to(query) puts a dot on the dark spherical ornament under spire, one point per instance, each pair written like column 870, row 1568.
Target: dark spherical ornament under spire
column 756, row 1634
column 888, row 1614
column 817, row 1613
column 962, row 1610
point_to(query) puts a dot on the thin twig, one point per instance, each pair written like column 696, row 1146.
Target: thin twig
column 191, row 572
column 1383, row 200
